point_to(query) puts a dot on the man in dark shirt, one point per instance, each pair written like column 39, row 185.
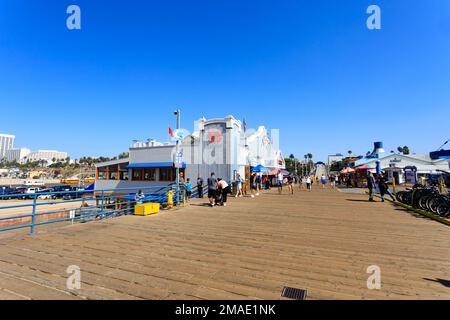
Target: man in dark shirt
column 370, row 185
column 212, row 189
column 200, row 187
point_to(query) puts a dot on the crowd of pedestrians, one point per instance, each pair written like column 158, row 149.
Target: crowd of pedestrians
column 219, row 189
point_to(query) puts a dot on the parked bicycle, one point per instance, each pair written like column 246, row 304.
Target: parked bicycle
column 426, row 198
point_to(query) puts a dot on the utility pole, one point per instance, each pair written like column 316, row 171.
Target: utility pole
column 177, row 114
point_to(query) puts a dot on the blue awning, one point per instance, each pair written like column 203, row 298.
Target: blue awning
column 146, row 165
column 260, row 168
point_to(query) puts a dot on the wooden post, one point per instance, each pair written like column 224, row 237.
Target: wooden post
column 107, row 172
column 118, row 172
column 393, row 185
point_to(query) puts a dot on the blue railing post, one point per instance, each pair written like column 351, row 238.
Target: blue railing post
column 33, row 215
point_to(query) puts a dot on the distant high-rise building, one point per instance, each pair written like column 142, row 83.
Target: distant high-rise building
column 47, row 155
column 17, row 154
column 6, row 143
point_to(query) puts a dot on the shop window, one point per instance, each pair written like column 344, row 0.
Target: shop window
column 166, row 174
column 149, row 174
column 124, row 175
column 137, row 174
column 101, row 175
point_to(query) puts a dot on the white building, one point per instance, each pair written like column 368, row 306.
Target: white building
column 394, row 165
column 218, row 145
column 335, row 158
column 47, row 155
column 17, row 154
column 6, row 143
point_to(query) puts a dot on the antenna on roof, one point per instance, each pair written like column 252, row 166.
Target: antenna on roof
column 443, row 144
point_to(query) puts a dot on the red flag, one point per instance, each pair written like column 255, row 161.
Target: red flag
column 170, row 132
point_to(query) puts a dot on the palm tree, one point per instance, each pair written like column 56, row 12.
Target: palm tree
column 309, row 156
column 293, row 162
column 403, row 150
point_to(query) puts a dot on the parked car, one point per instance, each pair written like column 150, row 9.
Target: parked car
column 4, row 191
column 18, row 193
column 61, row 189
column 73, row 195
column 45, row 194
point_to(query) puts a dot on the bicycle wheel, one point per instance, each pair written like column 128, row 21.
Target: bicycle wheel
column 423, row 202
column 443, row 208
column 433, row 204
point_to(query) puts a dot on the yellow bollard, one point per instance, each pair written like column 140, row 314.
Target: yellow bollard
column 170, row 199
column 393, row 185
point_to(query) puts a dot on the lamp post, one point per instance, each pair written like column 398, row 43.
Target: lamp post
column 177, row 179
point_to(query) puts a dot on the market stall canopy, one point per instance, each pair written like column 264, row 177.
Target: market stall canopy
column 276, row 171
column 364, row 167
column 348, row 170
column 320, row 163
column 353, row 159
column 260, row 168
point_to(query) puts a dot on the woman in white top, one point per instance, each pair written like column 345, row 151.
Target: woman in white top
column 308, row 183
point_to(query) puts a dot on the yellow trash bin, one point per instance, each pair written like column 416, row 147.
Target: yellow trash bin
column 146, row 209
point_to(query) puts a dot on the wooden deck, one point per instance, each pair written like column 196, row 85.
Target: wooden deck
column 321, row 241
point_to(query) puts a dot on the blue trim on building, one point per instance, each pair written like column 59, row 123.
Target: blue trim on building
column 153, row 165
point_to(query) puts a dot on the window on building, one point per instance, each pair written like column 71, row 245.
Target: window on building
column 166, row 174
column 112, row 171
column 123, row 174
column 137, row 174
column 149, row 174
column 102, row 173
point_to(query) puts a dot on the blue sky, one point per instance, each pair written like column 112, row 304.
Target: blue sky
column 310, row 68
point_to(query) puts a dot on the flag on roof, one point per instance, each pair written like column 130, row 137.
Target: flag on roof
column 170, row 132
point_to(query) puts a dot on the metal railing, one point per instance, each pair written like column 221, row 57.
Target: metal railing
column 94, row 205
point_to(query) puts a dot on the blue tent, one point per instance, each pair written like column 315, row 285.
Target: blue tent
column 260, row 168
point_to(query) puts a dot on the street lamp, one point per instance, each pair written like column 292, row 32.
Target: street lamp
column 177, row 113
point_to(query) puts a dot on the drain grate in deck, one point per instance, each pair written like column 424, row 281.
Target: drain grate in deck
column 294, row 293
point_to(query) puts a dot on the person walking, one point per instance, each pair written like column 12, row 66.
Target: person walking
column 253, row 186
column 323, row 180
column 200, row 187
column 225, row 189
column 258, row 183
column 188, row 189
column 290, row 182
column 309, row 183
column 212, row 188
column 332, row 182
column 384, row 188
column 370, row 185
column 280, row 181
column 238, row 186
